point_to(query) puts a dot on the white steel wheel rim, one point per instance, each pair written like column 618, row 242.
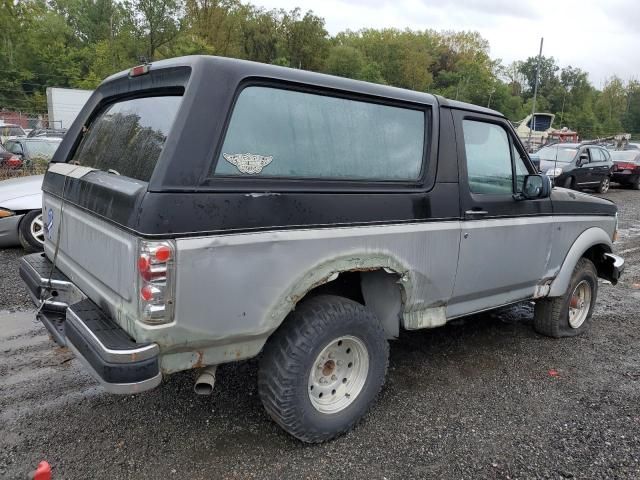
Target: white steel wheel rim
column 37, row 229
column 338, row 374
column 579, row 304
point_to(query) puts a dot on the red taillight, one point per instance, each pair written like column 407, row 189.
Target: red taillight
column 139, row 70
column 156, row 274
column 144, row 263
column 619, row 166
column 163, row 253
column 14, row 162
column 146, row 293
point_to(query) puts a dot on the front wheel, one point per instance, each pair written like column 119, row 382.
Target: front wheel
column 31, row 231
column 569, row 315
column 568, row 183
column 605, row 183
column 323, row 368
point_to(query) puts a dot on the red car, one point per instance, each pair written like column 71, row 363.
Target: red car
column 8, row 160
column 626, row 169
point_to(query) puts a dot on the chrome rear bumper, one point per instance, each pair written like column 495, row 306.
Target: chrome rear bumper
column 112, row 357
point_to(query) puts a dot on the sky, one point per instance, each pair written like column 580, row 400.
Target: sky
column 600, row 37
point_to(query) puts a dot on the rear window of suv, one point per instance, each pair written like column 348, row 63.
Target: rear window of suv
column 290, row 134
column 127, row 137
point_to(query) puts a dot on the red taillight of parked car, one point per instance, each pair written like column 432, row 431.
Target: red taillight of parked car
column 156, row 281
column 621, row 166
column 13, row 162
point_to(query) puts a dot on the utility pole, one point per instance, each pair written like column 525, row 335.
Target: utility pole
column 535, row 94
column 490, row 95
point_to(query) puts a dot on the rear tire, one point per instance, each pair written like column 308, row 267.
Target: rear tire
column 31, row 231
column 605, row 183
column 561, row 316
column 323, row 368
column 635, row 185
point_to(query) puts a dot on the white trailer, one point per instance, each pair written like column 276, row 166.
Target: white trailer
column 64, row 104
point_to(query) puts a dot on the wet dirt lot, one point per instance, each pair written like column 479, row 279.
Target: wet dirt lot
column 483, row 397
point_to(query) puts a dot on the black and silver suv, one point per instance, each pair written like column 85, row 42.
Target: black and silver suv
column 576, row 166
column 205, row 210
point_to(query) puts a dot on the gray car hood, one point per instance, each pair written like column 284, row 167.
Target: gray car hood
column 549, row 164
column 24, row 193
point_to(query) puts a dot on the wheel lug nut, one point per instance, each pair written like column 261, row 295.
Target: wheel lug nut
column 330, row 354
column 339, row 362
column 333, row 377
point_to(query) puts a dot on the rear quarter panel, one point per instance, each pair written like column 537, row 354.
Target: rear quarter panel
column 245, row 284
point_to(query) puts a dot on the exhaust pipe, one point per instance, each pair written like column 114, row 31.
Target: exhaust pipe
column 206, row 380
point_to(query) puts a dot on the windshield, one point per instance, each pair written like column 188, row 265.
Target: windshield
column 12, row 131
column 41, row 148
column 128, row 136
column 624, row 156
column 559, row 154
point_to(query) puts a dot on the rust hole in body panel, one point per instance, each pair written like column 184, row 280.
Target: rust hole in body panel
column 200, row 361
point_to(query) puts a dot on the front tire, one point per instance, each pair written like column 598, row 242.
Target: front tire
column 569, row 315
column 323, row 368
column 605, row 183
column 31, row 231
column 569, row 183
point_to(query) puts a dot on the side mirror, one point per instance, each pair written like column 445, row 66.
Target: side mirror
column 584, row 158
column 536, row 186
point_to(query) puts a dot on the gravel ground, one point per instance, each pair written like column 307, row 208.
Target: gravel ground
column 483, row 397
column 12, row 292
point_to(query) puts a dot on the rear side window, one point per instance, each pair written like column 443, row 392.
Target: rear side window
column 128, row 136
column 596, row 155
column 283, row 133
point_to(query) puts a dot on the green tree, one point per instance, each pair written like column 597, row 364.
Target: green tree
column 158, row 21
column 345, row 61
column 304, row 40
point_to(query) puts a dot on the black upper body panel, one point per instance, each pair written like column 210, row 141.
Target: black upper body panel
column 183, row 198
column 572, row 202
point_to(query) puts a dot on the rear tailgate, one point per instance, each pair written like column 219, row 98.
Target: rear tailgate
column 89, row 247
column 96, row 255
column 93, row 196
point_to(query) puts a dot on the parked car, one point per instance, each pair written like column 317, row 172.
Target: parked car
column 626, row 170
column 21, row 213
column 309, row 219
column 576, row 166
column 9, row 161
column 33, row 151
column 47, row 132
column 10, row 131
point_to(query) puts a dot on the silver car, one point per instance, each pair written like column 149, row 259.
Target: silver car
column 21, row 212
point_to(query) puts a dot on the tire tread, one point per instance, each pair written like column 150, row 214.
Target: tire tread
column 285, row 353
